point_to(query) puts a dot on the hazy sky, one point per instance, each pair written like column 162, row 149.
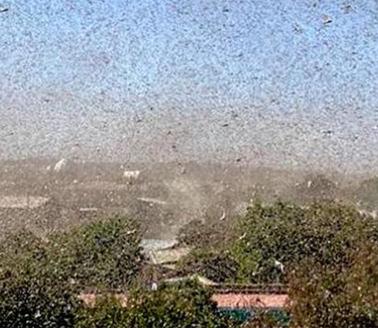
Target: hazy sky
column 273, row 82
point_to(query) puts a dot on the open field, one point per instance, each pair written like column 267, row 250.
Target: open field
column 163, row 197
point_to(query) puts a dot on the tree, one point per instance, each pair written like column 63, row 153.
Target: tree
column 367, row 193
column 29, row 296
column 108, row 312
column 203, row 235
column 105, row 254
column 40, row 280
column 217, row 266
column 183, row 305
column 272, row 239
column 335, row 295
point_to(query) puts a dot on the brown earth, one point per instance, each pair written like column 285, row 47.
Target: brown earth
column 163, row 198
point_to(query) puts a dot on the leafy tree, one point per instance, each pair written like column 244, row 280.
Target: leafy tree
column 274, row 238
column 367, row 193
column 214, row 265
column 183, row 305
column 104, row 255
column 21, row 245
column 40, row 280
column 203, row 235
column 108, row 312
column 341, row 296
column 29, row 296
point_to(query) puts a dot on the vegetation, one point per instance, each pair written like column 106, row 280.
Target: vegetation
column 274, row 239
column 315, row 188
column 326, row 252
column 214, row 265
column 171, row 306
column 102, row 255
column 367, row 194
column 32, row 300
column 107, row 313
column 335, row 295
column 268, row 319
column 40, row 280
column 185, row 304
column 270, row 240
column 31, row 296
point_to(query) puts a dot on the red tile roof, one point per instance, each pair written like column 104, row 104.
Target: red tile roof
column 229, row 300
column 236, row 300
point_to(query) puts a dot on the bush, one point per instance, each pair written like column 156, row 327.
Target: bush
column 104, row 255
column 183, row 305
column 216, row 266
column 274, row 238
column 40, row 280
column 268, row 319
column 29, row 296
column 22, row 245
column 203, row 235
column 367, row 194
column 107, row 313
column 32, row 301
column 337, row 296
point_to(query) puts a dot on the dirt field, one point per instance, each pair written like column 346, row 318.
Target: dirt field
column 163, row 197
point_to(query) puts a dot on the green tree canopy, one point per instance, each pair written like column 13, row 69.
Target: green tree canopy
column 271, row 239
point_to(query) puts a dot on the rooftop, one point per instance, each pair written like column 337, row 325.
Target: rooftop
column 230, row 300
column 238, row 300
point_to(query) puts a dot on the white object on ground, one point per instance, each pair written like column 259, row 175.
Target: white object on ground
column 131, row 174
column 60, row 165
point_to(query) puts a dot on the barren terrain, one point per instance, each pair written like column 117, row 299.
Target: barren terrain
column 163, row 197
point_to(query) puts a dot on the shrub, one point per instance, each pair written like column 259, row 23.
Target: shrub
column 203, row 235
column 29, row 296
column 216, row 266
column 268, row 319
column 271, row 235
column 32, row 301
column 17, row 250
column 104, row 255
column 39, row 280
column 107, row 313
column 340, row 296
column 183, row 305
column 367, row 193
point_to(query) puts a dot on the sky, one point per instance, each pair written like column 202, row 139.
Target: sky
column 274, row 82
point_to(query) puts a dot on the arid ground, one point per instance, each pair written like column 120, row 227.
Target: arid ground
column 163, row 197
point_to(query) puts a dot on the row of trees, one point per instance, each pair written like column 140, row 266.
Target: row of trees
column 183, row 305
column 327, row 253
column 40, row 279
